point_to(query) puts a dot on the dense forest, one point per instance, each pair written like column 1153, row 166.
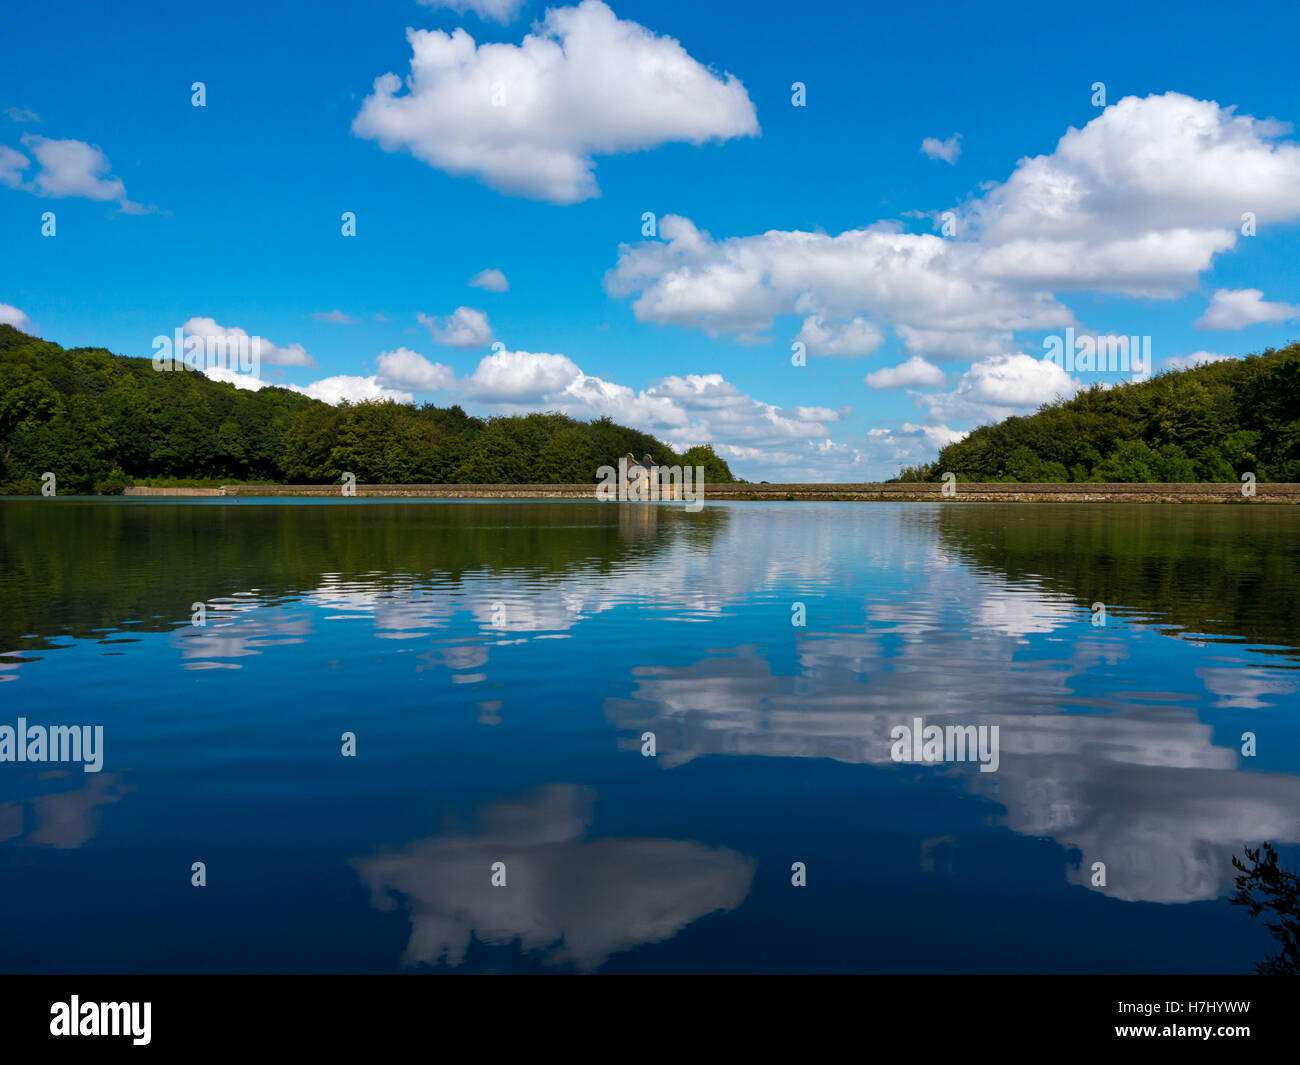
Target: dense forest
column 1211, row 423
column 100, row 422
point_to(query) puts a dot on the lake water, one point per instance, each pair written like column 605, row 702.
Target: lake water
column 499, row 664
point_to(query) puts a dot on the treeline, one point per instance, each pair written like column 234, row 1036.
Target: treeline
column 100, row 421
column 1211, row 423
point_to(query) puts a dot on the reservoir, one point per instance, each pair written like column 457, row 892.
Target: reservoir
column 626, row 737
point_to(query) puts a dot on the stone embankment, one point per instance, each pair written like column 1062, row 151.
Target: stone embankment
column 899, row 492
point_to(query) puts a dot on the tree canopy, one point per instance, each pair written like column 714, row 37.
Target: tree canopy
column 1211, row 423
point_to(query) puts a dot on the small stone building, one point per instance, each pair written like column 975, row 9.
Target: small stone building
column 667, row 485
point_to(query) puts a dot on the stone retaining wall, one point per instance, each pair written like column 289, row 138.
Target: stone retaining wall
column 145, row 490
column 907, row 492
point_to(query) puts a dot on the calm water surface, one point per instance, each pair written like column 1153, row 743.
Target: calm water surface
column 499, row 664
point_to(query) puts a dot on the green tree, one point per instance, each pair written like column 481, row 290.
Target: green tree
column 1263, row 885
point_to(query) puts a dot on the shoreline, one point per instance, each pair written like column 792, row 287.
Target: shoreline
column 931, row 492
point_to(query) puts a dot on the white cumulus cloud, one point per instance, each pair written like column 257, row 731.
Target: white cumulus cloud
column 998, row 387
column 1138, row 203
column 739, row 285
column 528, row 119
column 269, row 354
column 336, row 390
column 491, row 279
column 946, row 150
column 521, row 377
column 75, row 168
column 914, row 373
column 502, row 11
column 463, row 328
column 683, row 410
column 12, row 165
column 1238, row 308
column 246, row 381
column 855, row 337
column 1196, row 358
column 10, row 315
column 406, row 369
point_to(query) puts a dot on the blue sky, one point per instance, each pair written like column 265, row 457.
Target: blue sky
column 535, row 149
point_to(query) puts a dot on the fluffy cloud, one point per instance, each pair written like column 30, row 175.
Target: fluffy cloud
column 75, row 168
column 1140, row 200
column 464, row 328
column 685, row 411
column 909, row 443
column 1238, row 308
column 399, row 374
column 521, row 377
column 875, row 457
column 12, row 165
column 759, row 438
column 946, row 150
column 789, row 443
column 268, row 353
column 246, row 381
column 1197, row 358
column 953, row 345
column 406, row 369
column 335, row 390
column 22, row 114
column 915, row 372
column 856, row 337
column 998, row 387
column 527, row 119
column 1165, row 165
column 13, row 316
column 502, row 11
column 492, row 279
column 526, row 380
column 1137, row 203
column 338, row 317
column 739, row 285
column 821, row 414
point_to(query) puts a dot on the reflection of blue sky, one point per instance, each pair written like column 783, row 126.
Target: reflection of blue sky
column 683, row 581
column 1105, row 746
column 1107, row 743
column 1118, row 743
column 573, row 899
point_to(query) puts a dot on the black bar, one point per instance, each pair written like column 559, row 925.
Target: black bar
column 474, row 1018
